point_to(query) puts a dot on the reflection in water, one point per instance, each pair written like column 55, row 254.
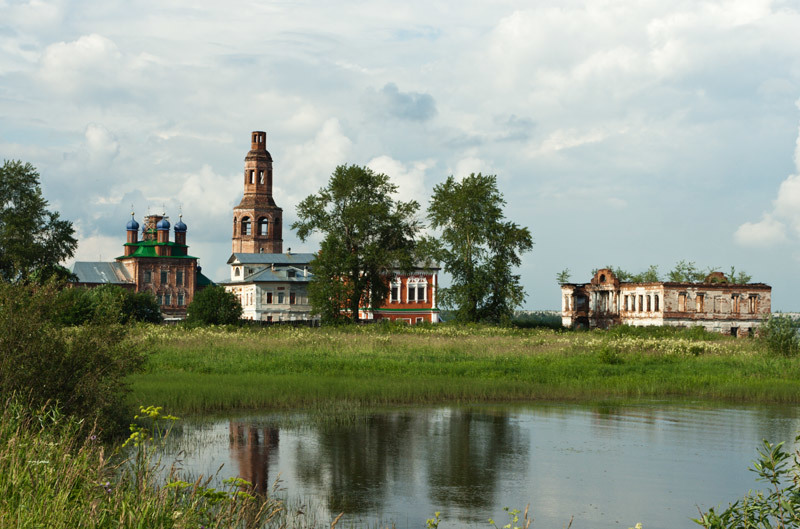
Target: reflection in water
column 609, row 466
column 251, row 448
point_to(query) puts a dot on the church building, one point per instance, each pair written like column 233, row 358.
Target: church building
column 273, row 285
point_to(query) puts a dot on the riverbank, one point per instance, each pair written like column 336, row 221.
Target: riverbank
column 219, row 369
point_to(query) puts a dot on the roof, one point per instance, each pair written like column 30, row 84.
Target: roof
column 100, row 272
column 272, row 258
column 279, row 275
column 148, row 249
column 202, row 280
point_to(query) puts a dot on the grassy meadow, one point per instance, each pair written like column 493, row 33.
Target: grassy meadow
column 218, row 368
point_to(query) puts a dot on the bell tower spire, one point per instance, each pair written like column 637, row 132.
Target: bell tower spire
column 257, row 219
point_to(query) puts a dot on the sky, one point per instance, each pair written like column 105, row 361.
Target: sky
column 624, row 133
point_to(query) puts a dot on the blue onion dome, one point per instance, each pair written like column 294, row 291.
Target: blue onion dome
column 180, row 226
column 163, row 224
column 132, row 224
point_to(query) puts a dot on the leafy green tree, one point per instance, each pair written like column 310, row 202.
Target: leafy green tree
column 81, row 370
column 686, row 272
column 650, row 275
column 367, row 235
column 478, row 248
column 33, row 240
column 214, row 306
column 104, row 304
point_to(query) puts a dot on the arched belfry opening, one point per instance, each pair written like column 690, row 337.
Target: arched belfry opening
column 254, row 229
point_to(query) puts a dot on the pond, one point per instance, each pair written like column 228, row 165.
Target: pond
column 605, row 465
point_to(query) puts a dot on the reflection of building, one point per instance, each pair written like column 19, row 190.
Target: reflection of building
column 713, row 304
column 251, row 448
column 153, row 264
column 272, row 286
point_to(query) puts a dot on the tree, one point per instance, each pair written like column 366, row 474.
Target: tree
column 367, row 235
column 214, row 306
column 686, row 272
column 563, row 276
column 478, row 248
column 33, row 240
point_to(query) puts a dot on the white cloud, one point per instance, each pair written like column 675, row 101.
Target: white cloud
column 766, row 232
column 409, row 178
column 69, row 66
column 101, row 144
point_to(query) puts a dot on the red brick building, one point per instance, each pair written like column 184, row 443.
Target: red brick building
column 152, row 263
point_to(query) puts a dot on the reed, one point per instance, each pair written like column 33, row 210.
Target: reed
column 219, row 368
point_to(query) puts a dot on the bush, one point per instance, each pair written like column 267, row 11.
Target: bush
column 781, row 335
column 82, row 369
column 778, row 507
column 214, row 306
column 105, row 304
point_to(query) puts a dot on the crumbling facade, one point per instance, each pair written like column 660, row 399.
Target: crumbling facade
column 714, row 304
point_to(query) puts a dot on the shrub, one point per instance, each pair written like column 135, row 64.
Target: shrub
column 82, row 369
column 778, row 507
column 780, row 335
column 214, row 306
column 104, row 304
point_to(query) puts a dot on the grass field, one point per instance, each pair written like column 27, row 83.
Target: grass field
column 211, row 369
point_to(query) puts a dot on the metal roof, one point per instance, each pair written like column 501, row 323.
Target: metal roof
column 100, row 272
column 272, row 258
column 279, row 275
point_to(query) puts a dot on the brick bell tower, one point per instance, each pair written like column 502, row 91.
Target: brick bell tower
column 257, row 220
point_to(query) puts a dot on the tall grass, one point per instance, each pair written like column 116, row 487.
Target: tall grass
column 52, row 474
column 197, row 370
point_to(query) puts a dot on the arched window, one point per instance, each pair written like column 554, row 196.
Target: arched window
column 263, row 226
column 236, row 272
column 246, row 229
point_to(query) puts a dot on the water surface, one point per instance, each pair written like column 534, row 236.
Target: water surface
column 608, row 466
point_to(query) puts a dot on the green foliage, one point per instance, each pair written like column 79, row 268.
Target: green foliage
column 105, row 304
column 478, row 248
column 33, row 240
column 513, row 519
column 219, row 368
column 213, row 305
column 563, row 276
column 537, row 319
column 778, row 507
column 53, row 473
column 781, row 335
column 82, row 369
column 366, row 236
column 686, row 272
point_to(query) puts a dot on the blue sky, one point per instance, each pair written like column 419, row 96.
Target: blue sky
column 622, row 133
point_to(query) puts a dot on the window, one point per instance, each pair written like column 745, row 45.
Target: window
column 290, row 273
column 269, row 298
column 700, row 302
column 412, row 291
column 682, row 302
column 167, row 299
column 164, row 277
column 394, row 294
column 419, row 320
column 263, row 227
column 237, row 272
column 649, row 303
column 641, row 303
column 625, row 304
column 291, row 298
column 655, row 300
column 161, row 299
column 179, row 279
column 421, row 293
column 735, row 303
column 261, row 177
column 246, row 230
column 753, row 301
column 180, row 299
column 280, row 298
column 252, row 176
column 148, row 276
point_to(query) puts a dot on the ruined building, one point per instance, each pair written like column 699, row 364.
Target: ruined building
column 273, row 286
column 714, row 304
